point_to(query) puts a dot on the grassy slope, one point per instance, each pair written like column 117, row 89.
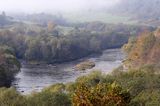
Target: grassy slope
column 98, row 16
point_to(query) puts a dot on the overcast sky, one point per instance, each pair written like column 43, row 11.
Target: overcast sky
column 52, row 5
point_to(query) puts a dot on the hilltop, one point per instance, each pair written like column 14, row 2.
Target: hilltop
column 140, row 8
column 145, row 11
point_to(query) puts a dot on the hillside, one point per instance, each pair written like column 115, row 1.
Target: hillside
column 145, row 11
column 146, row 8
column 144, row 50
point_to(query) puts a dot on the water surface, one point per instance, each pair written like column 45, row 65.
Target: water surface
column 36, row 77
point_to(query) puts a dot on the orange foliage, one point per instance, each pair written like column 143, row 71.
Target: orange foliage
column 145, row 50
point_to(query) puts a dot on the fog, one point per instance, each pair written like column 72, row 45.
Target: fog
column 31, row 6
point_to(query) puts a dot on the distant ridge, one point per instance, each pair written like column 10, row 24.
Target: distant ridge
column 144, row 9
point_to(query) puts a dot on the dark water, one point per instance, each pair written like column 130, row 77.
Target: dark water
column 34, row 78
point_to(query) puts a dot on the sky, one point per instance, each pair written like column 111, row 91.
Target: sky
column 53, row 5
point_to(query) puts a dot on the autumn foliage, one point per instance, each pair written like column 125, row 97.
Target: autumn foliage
column 143, row 50
column 100, row 95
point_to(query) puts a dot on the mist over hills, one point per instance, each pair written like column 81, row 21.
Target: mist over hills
column 139, row 8
column 123, row 11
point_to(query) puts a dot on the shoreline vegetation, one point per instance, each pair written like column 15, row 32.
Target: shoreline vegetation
column 48, row 63
column 9, row 66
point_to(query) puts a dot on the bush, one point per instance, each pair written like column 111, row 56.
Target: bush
column 46, row 98
column 10, row 97
column 100, row 95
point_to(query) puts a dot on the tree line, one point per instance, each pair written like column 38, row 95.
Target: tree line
column 50, row 45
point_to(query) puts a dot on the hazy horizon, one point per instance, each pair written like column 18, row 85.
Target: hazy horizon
column 50, row 6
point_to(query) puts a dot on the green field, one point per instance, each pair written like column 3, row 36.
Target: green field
column 98, row 16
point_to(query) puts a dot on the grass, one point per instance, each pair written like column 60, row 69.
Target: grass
column 80, row 17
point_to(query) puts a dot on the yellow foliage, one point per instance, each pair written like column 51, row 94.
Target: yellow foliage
column 100, row 95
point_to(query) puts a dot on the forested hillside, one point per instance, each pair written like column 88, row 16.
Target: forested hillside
column 144, row 50
column 41, row 18
column 140, row 8
column 144, row 11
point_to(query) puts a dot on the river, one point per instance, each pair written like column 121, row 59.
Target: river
column 36, row 77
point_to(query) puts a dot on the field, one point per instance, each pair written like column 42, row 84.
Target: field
column 99, row 16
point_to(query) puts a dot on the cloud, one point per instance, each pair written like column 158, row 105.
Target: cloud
column 52, row 5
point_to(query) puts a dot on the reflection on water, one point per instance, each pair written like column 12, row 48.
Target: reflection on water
column 34, row 78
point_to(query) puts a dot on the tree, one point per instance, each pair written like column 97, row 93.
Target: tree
column 50, row 26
